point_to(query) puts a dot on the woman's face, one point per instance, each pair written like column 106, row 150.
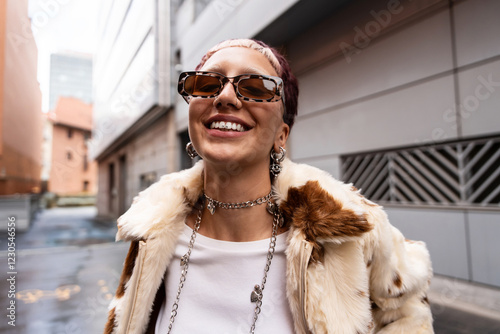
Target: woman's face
column 262, row 122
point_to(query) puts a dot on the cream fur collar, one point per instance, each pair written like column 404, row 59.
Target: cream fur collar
column 167, row 202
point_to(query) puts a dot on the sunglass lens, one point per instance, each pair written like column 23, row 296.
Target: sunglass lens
column 256, row 88
column 201, row 85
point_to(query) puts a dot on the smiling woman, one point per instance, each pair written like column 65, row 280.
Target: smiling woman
column 264, row 245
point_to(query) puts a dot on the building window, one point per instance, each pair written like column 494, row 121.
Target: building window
column 85, row 186
column 85, row 163
column 458, row 174
column 70, row 133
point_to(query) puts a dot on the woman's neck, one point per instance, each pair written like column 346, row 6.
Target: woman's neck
column 236, row 185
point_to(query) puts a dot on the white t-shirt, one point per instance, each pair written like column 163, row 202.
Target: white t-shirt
column 220, row 279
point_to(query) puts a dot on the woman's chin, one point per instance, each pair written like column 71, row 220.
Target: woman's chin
column 233, row 159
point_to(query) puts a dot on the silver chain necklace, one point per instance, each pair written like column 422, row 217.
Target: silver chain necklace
column 212, row 203
column 257, row 294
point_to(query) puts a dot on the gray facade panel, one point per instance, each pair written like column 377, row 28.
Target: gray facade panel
column 485, row 248
column 444, row 233
column 479, row 98
column 328, row 164
column 405, row 117
column 386, row 63
column 476, row 30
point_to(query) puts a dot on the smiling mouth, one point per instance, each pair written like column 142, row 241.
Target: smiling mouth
column 227, row 126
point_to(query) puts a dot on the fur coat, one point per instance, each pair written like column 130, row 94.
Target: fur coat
column 348, row 269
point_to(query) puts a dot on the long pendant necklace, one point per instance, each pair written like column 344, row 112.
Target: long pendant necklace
column 258, row 292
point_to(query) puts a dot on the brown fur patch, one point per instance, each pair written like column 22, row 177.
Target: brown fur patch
column 397, row 281
column 425, row 300
column 128, row 267
column 314, row 211
column 318, row 253
column 369, row 263
column 110, row 324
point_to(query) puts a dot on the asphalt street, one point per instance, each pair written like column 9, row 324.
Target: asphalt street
column 67, row 269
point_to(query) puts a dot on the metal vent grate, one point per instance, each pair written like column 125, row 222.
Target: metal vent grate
column 453, row 174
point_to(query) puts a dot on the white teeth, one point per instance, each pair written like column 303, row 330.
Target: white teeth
column 227, row 126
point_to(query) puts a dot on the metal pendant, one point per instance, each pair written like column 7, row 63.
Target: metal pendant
column 211, row 207
column 276, row 169
column 270, row 207
column 273, row 209
column 256, row 294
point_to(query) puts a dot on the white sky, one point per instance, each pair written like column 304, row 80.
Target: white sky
column 62, row 26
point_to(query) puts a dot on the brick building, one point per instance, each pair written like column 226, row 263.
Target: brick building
column 20, row 102
column 71, row 171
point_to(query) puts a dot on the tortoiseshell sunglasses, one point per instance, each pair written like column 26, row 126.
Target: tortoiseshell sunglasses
column 248, row 87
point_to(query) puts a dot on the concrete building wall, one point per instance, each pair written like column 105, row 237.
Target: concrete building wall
column 372, row 98
column 134, row 167
column 125, row 79
column 135, row 142
column 20, row 102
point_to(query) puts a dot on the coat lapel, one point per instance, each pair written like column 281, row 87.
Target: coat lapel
column 325, row 263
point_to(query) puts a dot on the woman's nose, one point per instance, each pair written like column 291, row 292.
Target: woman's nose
column 228, row 97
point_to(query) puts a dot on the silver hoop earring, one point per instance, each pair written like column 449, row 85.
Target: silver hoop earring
column 191, row 151
column 277, row 159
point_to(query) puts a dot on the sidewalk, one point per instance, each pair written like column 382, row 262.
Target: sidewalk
column 68, row 226
column 483, row 301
